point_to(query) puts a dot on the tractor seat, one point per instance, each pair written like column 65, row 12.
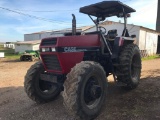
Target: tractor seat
column 111, row 35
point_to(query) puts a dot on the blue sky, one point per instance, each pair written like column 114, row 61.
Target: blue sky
column 13, row 26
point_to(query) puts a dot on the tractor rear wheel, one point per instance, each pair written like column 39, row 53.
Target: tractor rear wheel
column 85, row 90
column 130, row 61
column 37, row 89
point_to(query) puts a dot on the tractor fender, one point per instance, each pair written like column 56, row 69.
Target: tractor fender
column 119, row 42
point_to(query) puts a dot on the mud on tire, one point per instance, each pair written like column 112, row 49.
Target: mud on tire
column 38, row 90
column 130, row 60
column 85, row 90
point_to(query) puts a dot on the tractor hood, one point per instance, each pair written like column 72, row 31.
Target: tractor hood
column 60, row 54
column 70, row 43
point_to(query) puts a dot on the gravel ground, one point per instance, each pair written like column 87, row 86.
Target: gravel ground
column 143, row 103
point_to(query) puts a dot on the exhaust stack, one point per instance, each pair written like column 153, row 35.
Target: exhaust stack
column 73, row 25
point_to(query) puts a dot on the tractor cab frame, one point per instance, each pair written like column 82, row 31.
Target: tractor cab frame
column 106, row 9
column 101, row 11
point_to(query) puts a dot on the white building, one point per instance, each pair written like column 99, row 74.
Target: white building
column 9, row 45
column 53, row 33
column 148, row 40
column 1, row 54
column 27, row 45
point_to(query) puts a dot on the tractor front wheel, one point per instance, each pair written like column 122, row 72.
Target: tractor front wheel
column 85, row 90
column 37, row 89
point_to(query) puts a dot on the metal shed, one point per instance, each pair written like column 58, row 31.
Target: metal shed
column 52, row 33
column 9, row 45
column 148, row 40
column 27, row 45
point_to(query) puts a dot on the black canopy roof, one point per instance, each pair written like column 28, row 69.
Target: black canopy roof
column 106, row 9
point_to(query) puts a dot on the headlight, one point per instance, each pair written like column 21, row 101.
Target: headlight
column 53, row 49
column 45, row 50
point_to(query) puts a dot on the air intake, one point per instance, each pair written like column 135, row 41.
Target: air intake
column 48, row 42
column 51, row 62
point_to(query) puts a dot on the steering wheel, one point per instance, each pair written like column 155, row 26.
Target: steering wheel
column 100, row 27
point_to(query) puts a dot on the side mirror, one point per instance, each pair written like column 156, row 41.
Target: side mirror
column 101, row 18
column 128, row 15
column 120, row 15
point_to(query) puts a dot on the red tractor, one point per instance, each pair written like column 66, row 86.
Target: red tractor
column 79, row 64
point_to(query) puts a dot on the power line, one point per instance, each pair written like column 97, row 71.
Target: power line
column 35, row 17
column 57, row 10
column 47, row 10
column 131, row 28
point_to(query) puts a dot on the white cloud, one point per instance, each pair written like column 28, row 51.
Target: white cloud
column 146, row 13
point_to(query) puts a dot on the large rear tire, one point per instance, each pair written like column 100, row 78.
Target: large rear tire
column 85, row 90
column 130, row 61
column 37, row 89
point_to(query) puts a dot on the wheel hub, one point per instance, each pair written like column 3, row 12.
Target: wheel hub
column 95, row 91
column 92, row 91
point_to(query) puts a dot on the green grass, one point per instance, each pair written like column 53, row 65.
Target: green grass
column 9, row 53
column 151, row 57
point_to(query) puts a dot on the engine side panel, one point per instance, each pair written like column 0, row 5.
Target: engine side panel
column 66, row 61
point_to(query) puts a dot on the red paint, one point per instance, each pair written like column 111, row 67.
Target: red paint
column 80, row 41
column 121, row 41
column 69, row 59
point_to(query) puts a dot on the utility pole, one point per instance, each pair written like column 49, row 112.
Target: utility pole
column 158, row 17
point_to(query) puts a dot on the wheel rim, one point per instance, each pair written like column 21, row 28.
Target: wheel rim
column 46, row 87
column 92, row 92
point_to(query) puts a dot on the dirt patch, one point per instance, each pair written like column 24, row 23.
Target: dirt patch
column 143, row 103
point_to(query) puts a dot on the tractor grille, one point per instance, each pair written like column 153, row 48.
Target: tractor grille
column 48, row 42
column 51, row 62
